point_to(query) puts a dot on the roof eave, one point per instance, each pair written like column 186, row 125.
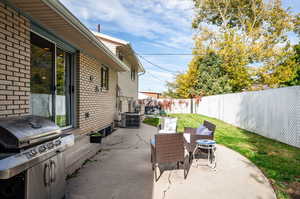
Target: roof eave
column 71, row 19
column 122, row 43
column 110, row 38
column 141, row 67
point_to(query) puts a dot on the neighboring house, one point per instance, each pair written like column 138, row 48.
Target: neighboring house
column 52, row 65
column 142, row 96
column 150, row 95
column 128, row 81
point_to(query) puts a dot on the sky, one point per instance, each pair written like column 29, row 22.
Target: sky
column 152, row 27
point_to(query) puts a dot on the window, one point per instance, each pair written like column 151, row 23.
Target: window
column 104, row 77
column 51, row 81
column 42, row 78
column 133, row 74
column 63, row 85
column 120, row 56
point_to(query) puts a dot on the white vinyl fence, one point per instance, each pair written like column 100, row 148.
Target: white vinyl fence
column 177, row 105
column 273, row 113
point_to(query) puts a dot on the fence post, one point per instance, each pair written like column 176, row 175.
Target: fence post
column 192, row 105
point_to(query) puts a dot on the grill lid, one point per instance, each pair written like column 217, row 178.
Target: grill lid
column 18, row 132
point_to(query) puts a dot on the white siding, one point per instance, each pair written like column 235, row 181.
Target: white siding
column 128, row 87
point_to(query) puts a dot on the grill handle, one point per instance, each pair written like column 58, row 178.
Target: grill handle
column 46, row 175
column 35, row 125
column 53, row 172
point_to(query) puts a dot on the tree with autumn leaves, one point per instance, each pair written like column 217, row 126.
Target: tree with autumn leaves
column 241, row 45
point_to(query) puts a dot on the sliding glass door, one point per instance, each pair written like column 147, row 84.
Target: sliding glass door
column 63, row 98
column 41, row 82
column 51, row 81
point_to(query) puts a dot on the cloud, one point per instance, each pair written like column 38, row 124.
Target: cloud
column 161, row 25
column 179, row 41
column 152, row 19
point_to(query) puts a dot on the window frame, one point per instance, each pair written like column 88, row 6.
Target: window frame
column 104, row 73
column 71, row 80
column 70, row 59
column 133, row 74
column 120, row 56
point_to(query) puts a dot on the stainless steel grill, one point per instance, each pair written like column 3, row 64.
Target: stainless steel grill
column 20, row 132
column 31, row 148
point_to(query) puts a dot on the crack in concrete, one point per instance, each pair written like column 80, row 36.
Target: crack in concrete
column 115, row 143
column 135, row 145
column 169, row 186
column 132, row 146
column 141, row 139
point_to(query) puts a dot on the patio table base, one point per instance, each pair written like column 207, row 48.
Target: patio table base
column 210, row 146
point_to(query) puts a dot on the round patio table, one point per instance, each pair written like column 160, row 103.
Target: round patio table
column 210, row 146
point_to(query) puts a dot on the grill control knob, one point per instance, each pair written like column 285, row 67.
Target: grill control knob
column 32, row 152
column 57, row 142
column 27, row 154
column 42, row 149
column 50, row 145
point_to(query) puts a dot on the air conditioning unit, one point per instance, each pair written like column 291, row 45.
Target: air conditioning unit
column 130, row 120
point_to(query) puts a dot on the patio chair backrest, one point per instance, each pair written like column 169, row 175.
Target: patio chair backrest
column 194, row 137
column 210, row 126
column 169, row 147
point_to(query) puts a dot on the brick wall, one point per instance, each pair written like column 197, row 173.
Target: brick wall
column 14, row 63
column 15, row 76
column 100, row 106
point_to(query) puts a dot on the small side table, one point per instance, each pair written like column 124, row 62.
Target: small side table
column 210, row 146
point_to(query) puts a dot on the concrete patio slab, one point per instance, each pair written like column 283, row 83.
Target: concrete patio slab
column 122, row 170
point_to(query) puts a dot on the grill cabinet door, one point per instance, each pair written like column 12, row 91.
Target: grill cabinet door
column 38, row 181
column 58, row 176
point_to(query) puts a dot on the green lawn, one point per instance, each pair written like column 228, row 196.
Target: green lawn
column 151, row 121
column 278, row 161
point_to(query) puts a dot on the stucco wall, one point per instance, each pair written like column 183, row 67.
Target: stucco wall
column 129, row 88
